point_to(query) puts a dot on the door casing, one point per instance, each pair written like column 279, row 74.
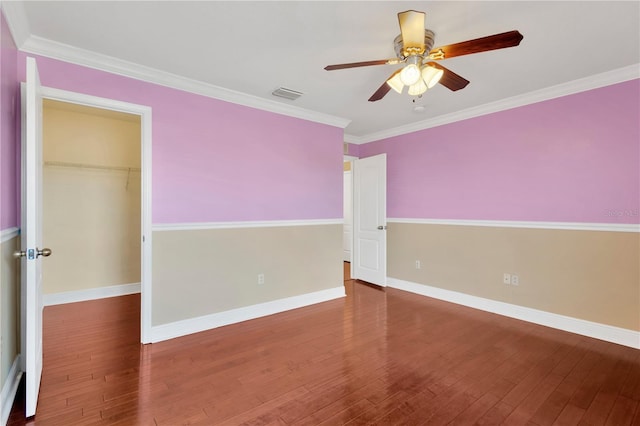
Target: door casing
column 145, row 145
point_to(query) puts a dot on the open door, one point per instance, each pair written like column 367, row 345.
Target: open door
column 31, row 236
column 370, row 220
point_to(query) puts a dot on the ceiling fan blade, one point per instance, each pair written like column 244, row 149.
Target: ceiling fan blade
column 382, row 91
column 483, row 44
column 412, row 30
column 362, row 64
column 450, row 79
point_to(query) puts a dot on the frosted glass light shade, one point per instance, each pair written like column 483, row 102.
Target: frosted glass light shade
column 418, row 89
column 410, row 74
column 395, row 82
column 431, row 75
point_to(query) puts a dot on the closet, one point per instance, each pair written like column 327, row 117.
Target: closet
column 91, row 197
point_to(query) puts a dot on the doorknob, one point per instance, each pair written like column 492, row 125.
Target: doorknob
column 382, row 227
column 46, row 252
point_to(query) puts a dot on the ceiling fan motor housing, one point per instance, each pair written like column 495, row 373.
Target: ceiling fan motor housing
column 429, row 40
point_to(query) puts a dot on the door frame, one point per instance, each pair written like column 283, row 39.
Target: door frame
column 350, row 159
column 145, row 173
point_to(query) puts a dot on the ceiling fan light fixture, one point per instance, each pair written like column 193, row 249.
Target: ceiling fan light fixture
column 431, row 75
column 395, row 82
column 418, row 88
column 414, row 46
column 410, row 74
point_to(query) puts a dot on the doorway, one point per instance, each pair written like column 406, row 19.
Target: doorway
column 91, row 200
column 128, row 177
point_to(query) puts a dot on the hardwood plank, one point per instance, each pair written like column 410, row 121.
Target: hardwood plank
column 338, row 412
column 551, row 408
column 599, row 410
column 496, row 414
column 475, row 411
column 570, row 415
column 529, row 406
column 622, row 412
column 379, row 409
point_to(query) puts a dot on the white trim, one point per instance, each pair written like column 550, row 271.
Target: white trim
column 244, row 224
column 94, row 101
column 146, row 246
column 621, row 336
column 90, row 294
column 9, row 234
column 86, row 58
column 574, row 226
column 9, row 390
column 146, row 121
column 596, row 81
column 207, row 322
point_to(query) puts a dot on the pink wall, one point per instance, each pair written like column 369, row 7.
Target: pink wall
column 353, row 150
column 9, row 90
column 571, row 159
column 217, row 161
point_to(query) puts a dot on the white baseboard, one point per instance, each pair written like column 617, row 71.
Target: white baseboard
column 90, row 294
column 9, row 390
column 621, row 336
column 207, row 322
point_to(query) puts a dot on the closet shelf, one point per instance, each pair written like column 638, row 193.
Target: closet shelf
column 90, row 166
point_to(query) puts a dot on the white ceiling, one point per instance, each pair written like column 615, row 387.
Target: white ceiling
column 256, row 47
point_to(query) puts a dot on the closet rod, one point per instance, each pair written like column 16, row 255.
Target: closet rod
column 90, row 166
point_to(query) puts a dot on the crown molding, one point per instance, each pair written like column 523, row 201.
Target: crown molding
column 44, row 47
column 596, row 81
column 16, row 20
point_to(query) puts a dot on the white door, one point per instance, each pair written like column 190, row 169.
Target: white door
column 370, row 220
column 347, row 227
column 31, row 240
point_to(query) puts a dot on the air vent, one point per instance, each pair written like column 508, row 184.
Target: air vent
column 282, row 92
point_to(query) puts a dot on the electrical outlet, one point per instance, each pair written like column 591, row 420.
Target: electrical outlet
column 506, row 278
column 418, row 266
column 515, row 280
column 260, row 279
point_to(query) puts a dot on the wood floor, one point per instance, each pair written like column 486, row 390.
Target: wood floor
column 374, row 357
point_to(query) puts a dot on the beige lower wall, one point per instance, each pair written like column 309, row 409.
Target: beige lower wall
column 590, row 275
column 9, row 307
column 201, row 272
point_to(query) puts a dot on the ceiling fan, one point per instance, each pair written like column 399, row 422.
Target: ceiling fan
column 414, row 47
